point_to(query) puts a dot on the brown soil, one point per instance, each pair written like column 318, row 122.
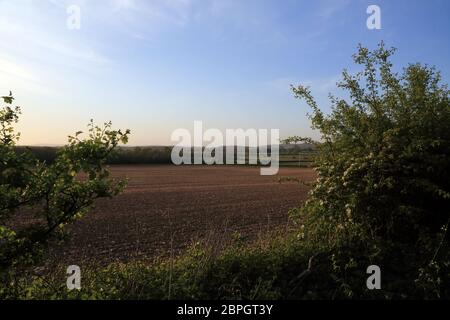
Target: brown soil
column 165, row 208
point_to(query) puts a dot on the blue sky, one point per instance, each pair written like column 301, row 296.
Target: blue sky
column 157, row 65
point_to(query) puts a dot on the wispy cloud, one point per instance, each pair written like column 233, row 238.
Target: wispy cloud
column 31, row 36
column 14, row 76
column 37, row 48
column 118, row 5
column 330, row 8
column 12, row 69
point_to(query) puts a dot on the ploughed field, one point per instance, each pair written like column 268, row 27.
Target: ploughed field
column 166, row 208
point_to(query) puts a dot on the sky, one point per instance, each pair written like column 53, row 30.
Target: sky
column 154, row 66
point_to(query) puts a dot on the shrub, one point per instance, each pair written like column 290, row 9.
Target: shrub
column 48, row 196
column 383, row 193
